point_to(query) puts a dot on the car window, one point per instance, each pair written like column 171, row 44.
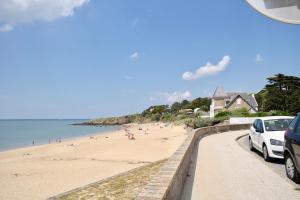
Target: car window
column 297, row 127
column 293, row 123
column 259, row 125
column 277, row 124
column 255, row 124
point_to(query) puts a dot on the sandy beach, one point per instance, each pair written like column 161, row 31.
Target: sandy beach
column 39, row 172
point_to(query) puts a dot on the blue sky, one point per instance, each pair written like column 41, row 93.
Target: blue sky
column 113, row 57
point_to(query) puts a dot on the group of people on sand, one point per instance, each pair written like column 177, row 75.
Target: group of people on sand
column 49, row 141
column 145, row 131
column 128, row 133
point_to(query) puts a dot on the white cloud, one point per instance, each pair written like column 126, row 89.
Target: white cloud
column 152, row 99
column 171, row 97
column 6, row 28
column 208, row 69
column 134, row 56
column 19, row 12
column 259, row 58
column 178, row 96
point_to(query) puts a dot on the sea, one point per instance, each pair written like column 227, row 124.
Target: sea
column 17, row 133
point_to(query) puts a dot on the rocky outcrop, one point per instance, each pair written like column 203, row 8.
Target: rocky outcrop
column 108, row 121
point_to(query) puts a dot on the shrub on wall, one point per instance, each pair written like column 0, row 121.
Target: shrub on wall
column 241, row 112
column 204, row 122
column 224, row 113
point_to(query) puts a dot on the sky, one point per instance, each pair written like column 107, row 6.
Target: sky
column 99, row 58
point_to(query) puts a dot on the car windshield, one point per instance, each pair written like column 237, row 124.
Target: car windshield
column 277, row 124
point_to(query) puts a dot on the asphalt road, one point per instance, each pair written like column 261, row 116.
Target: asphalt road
column 276, row 165
column 223, row 168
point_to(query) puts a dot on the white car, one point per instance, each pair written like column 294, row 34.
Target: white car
column 267, row 135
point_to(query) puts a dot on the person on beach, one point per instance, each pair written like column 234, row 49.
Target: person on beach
column 132, row 136
column 128, row 135
column 126, row 132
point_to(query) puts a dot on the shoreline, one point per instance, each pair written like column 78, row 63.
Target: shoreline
column 32, row 172
column 67, row 138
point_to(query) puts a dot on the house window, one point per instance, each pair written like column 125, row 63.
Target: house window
column 239, row 101
column 227, row 102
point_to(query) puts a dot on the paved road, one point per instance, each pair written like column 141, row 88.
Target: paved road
column 276, row 165
column 222, row 169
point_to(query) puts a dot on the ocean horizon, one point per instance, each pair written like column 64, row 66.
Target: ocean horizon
column 18, row 133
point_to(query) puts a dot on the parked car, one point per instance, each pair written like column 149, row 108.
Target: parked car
column 267, row 136
column 292, row 150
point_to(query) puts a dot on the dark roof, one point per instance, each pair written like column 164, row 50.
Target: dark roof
column 232, row 96
column 248, row 98
column 220, row 92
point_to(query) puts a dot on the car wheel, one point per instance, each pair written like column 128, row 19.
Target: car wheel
column 250, row 145
column 265, row 153
column 291, row 170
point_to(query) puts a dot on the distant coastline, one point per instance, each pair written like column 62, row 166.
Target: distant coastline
column 110, row 121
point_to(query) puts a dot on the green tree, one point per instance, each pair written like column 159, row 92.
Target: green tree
column 202, row 103
column 176, row 107
column 184, row 103
column 294, row 102
column 259, row 99
column 159, row 109
column 281, row 93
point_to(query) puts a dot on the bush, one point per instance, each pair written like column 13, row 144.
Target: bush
column 155, row 117
column 278, row 113
column 259, row 114
column 270, row 113
column 224, row 113
column 156, row 109
column 183, row 116
column 198, row 123
column 240, row 112
column 200, row 113
column 168, row 117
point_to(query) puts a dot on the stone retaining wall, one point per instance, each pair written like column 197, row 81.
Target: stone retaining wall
column 242, row 120
column 169, row 182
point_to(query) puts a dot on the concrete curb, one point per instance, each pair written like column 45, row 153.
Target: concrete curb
column 241, row 136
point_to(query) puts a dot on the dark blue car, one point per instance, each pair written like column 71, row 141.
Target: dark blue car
column 292, row 150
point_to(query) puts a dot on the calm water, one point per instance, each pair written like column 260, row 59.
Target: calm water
column 21, row 133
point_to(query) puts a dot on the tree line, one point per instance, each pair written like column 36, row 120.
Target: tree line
column 282, row 92
column 202, row 103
